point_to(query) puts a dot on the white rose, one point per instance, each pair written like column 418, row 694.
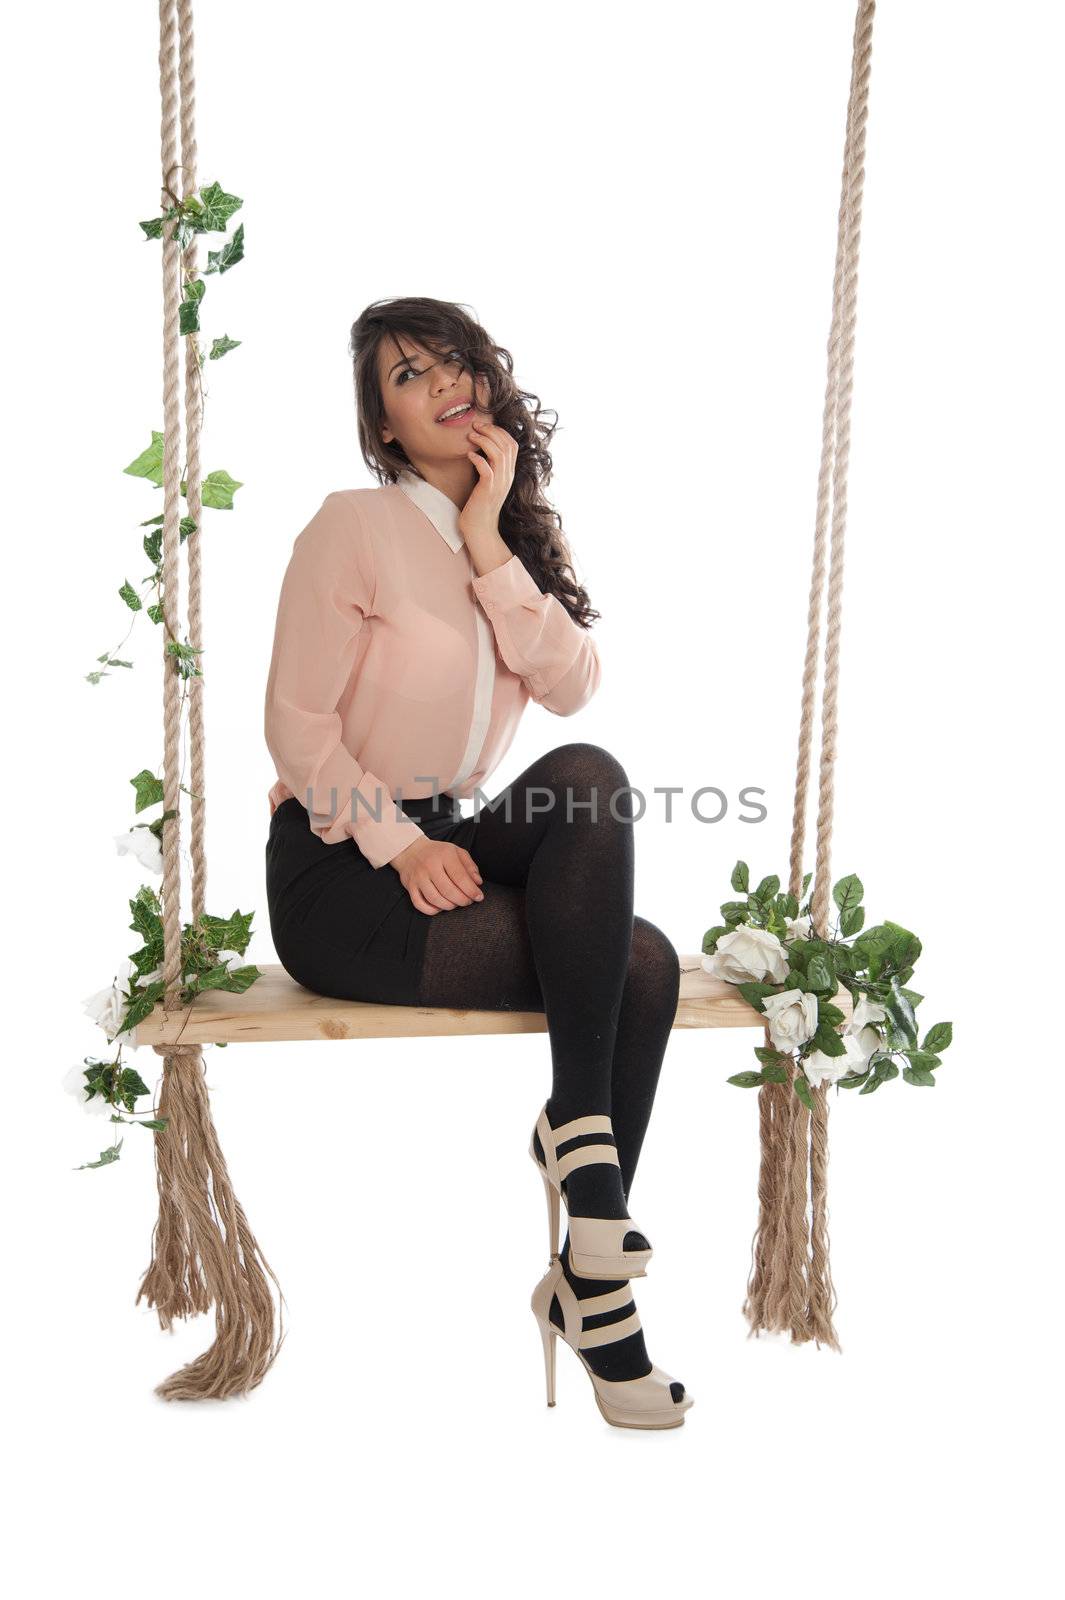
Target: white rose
column 107, row 1006
column 799, row 927
column 143, row 844
column 746, row 954
column 76, row 1083
column 865, row 1040
column 792, row 1017
column 866, row 1011
column 225, row 956
column 820, row 1068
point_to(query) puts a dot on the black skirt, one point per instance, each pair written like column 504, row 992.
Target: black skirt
column 340, row 926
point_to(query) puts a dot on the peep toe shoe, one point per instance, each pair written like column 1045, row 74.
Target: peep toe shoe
column 654, row 1401
column 596, row 1244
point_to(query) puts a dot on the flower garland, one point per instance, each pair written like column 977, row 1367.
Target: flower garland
column 211, row 946
column 768, row 949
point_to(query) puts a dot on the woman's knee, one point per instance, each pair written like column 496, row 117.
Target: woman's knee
column 586, row 769
column 653, row 958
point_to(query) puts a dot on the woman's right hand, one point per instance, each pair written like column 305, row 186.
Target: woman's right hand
column 437, row 875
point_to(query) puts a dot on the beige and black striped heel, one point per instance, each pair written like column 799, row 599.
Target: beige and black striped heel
column 596, row 1244
column 653, row 1401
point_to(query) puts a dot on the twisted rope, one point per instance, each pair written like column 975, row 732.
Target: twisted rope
column 203, row 1251
column 194, row 487
column 790, row 1285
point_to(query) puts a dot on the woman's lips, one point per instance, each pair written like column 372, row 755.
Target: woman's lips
column 463, row 416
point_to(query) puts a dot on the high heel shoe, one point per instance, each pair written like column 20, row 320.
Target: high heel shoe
column 597, row 1244
column 654, row 1401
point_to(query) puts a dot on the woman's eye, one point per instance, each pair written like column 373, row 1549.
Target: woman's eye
column 455, row 358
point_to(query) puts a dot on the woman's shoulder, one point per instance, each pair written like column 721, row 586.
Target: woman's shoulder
column 360, row 509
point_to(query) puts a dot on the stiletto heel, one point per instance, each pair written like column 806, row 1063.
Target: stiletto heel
column 554, row 1215
column 596, row 1244
column 547, row 1335
column 653, row 1401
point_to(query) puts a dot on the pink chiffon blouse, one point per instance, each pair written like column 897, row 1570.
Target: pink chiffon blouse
column 397, row 671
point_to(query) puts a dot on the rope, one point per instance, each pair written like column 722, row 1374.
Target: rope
column 835, row 459
column 193, row 490
column 171, row 887
column 204, row 1253
column 790, row 1284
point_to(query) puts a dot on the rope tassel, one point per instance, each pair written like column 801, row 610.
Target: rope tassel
column 790, row 1287
column 203, row 1251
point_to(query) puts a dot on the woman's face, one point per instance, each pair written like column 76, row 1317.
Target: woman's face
column 416, row 387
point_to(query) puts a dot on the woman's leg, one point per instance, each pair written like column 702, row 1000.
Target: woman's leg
column 494, row 955
column 562, row 831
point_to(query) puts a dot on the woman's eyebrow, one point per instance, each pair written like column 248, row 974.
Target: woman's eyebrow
column 417, row 356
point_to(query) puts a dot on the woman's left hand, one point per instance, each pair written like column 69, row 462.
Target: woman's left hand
column 479, row 517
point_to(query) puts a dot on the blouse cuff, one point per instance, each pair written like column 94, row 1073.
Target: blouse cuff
column 507, row 585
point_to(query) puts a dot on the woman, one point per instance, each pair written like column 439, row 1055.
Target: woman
column 415, row 622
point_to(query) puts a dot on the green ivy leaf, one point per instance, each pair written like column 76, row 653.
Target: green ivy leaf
column 149, row 789
column 106, row 1157
column 149, row 464
column 222, row 346
column 231, row 252
column 217, row 208
column 218, row 489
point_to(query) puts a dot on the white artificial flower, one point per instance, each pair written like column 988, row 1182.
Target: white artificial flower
column 866, row 1040
column 820, row 1068
column 107, row 1006
column 791, row 1017
column 746, row 954
column 143, row 844
column 799, row 927
column 76, row 1083
column 866, row 1011
column 225, row 956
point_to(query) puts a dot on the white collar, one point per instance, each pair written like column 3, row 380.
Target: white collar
column 442, row 512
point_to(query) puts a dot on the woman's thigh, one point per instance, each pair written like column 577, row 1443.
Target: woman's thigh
column 578, row 781
column 479, row 956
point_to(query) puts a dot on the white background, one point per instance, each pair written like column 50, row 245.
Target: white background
column 640, row 203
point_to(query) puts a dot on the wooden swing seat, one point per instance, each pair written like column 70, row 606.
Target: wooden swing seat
column 276, row 1008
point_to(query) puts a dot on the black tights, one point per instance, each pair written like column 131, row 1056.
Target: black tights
column 555, row 932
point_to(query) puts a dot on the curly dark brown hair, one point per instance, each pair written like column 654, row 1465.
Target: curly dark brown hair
column 528, row 524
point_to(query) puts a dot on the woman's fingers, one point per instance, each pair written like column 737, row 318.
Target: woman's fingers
column 464, row 880
column 470, row 862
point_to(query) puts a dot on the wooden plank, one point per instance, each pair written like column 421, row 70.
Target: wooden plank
column 276, row 1008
